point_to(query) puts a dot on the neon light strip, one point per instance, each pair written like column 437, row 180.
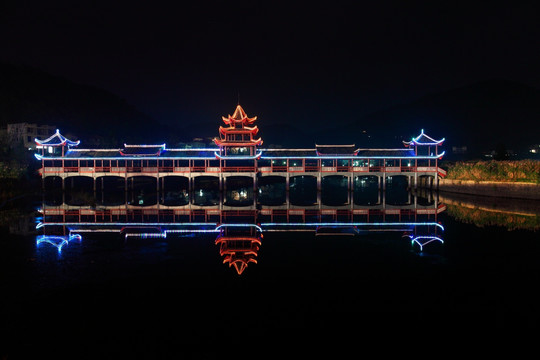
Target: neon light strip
column 239, row 225
column 434, row 142
column 63, row 140
column 57, row 240
column 422, row 244
column 323, row 157
column 41, row 224
column 256, row 156
column 260, row 226
column 162, row 146
column 354, row 224
column 173, row 231
column 39, row 157
column 356, row 157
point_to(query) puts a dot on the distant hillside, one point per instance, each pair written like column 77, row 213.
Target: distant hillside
column 479, row 116
column 96, row 116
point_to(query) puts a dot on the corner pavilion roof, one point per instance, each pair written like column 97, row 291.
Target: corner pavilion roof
column 57, row 139
column 423, row 139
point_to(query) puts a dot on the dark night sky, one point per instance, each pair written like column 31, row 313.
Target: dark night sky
column 298, row 62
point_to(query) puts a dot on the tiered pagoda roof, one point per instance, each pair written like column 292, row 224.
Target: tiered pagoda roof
column 238, row 251
column 238, row 122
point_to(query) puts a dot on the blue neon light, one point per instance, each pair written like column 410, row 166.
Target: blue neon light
column 261, row 226
column 322, row 157
column 57, row 241
column 357, row 157
column 251, row 157
column 434, row 142
column 424, row 240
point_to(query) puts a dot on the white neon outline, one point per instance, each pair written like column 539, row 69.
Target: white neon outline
column 40, row 157
column 239, row 157
column 63, row 140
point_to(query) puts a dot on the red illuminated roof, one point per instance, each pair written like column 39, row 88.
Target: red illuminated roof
column 238, row 251
column 238, row 117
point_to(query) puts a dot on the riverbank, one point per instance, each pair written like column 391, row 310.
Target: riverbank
column 525, row 171
column 503, row 189
column 518, row 179
column 512, row 214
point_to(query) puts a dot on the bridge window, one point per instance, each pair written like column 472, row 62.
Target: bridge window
column 328, row 163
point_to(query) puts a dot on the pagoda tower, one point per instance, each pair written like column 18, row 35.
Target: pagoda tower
column 238, row 137
column 239, row 250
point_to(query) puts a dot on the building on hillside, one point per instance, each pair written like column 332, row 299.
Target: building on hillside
column 26, row 133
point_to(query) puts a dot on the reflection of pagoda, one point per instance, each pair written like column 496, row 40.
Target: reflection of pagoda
column 239, row 248
column 238, row 137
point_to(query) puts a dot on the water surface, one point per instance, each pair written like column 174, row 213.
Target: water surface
column 152, row 282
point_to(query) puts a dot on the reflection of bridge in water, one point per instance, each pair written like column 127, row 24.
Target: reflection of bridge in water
column 239, row 190
column 239, row 231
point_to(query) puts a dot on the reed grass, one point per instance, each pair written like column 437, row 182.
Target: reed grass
column 483, row 218
column 505, row 171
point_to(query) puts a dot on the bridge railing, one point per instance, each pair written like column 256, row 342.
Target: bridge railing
column 238, row 169
column 264, row 169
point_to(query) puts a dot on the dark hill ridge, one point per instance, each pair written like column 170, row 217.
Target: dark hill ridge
column 479, row 115
column 95, row 115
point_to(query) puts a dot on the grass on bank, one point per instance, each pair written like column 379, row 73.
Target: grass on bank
column 493, row 170
column 483, row 218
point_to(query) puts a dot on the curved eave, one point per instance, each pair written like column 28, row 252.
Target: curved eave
column 430, row 141
column 139, row 155
column 62, row 143
column 239, row 157
column 232, row 130
column 62, row 140
column 230, row 120
column 224, row 239
column 220, row 142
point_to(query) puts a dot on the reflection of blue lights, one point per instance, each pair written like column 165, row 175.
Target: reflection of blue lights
column 147, row 235
column 354, row 224
column 57, row 241
column 424, row 240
